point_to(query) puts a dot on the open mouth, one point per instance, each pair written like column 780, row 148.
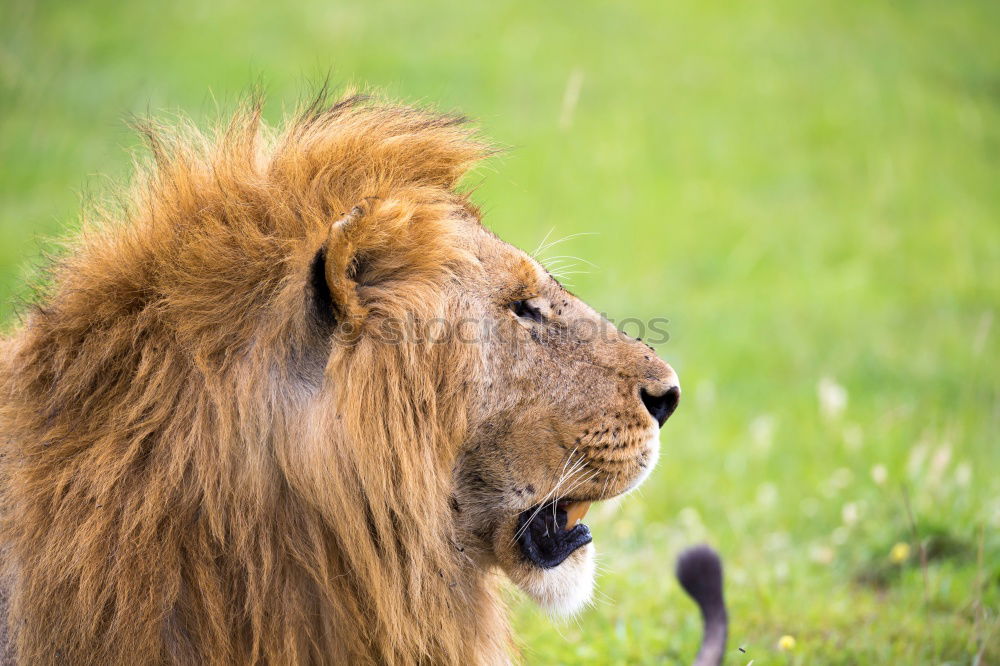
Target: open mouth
column 549, row 533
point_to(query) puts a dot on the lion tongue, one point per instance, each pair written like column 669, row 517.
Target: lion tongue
column 575, row 512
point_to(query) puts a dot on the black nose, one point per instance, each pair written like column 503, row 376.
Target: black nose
column 662, row 406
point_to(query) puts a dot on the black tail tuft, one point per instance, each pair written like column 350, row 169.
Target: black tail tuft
column 699, row 570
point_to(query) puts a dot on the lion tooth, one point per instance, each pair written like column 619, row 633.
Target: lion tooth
column 575, row 513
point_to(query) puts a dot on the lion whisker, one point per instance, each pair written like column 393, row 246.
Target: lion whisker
column 542, row 245
column 545, row 246
column 570, row 258
column 575, row 485
column 563, row 475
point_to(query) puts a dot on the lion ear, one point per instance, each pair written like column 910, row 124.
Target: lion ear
column 334, row 270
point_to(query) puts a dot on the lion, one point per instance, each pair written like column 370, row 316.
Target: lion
column 230, row 436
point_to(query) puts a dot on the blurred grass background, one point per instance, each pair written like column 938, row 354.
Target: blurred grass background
column 807, row 190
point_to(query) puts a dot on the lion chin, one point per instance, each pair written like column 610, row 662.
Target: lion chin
column 555, row 560
column 563, row 590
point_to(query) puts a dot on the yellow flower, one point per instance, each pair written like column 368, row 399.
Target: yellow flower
column 900, row 552
column 786, row 643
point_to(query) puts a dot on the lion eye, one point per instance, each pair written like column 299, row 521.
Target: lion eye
column 526, row 310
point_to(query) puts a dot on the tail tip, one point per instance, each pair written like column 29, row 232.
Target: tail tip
column 699, row 571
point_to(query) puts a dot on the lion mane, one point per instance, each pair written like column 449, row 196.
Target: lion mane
column 172, row 490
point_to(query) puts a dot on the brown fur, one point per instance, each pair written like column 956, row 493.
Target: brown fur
column 207, row 459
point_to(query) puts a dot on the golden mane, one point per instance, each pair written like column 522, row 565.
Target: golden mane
column 173, row 492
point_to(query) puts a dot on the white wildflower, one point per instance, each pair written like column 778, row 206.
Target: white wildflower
column 832, row 398
column 762, row 433
column 821, row 554
column 963, row 474
column 767, row 495
column 777, row 541
column 839, row 480
column 915, row 462
column 689, row 517
column 854, row 437
column 939, row 462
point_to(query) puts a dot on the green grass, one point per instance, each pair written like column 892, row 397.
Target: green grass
column 807, row 190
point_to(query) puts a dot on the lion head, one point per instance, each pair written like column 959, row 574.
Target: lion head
column 565, row 411
column 295, row 403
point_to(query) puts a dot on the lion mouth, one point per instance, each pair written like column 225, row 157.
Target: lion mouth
column 549, row 533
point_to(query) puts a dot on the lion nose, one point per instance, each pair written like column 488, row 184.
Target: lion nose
column 661, row 406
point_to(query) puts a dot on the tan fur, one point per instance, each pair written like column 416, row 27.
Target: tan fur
column 205, row 462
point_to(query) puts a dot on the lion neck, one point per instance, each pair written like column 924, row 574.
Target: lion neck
column 191, row 534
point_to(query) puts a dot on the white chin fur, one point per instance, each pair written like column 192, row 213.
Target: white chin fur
column 565, row 589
